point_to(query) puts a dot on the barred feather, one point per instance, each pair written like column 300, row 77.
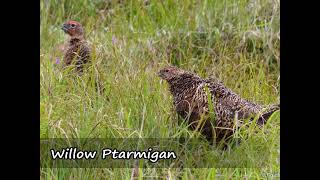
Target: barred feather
column 191, row 103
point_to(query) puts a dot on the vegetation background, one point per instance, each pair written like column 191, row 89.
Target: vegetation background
column 236, row 40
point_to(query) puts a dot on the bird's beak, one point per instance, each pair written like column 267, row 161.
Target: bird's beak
column 65, row 27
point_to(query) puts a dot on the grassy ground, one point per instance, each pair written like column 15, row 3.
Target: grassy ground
column 237, row 41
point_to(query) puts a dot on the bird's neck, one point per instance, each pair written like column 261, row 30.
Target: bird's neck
column 181, row 84
column 76, row 40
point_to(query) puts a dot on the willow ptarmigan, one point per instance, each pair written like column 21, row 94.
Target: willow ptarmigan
column 78, row 51
column 191, row 102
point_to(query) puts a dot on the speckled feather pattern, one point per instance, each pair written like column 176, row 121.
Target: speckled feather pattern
column 191, row 102
column 78, row 52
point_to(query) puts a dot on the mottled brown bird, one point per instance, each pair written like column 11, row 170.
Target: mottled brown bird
column 78, row 51
column 229, row 109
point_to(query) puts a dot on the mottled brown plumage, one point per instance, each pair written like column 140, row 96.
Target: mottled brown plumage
column 78, row 51
column 191, row 102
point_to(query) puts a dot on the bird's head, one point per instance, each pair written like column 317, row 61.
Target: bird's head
column 73, row 28
column 170, row 72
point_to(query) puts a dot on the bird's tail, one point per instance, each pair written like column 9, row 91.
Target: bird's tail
column 265, row 116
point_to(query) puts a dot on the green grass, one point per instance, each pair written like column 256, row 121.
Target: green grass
column 237, row 41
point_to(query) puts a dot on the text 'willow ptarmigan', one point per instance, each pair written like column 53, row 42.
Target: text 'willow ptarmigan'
column 191, row 102
column 78, row 51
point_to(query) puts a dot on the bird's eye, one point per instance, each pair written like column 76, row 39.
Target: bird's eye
column 73, row 25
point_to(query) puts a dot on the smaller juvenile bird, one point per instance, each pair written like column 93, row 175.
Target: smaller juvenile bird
column 191, row 100
column 78, row 51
